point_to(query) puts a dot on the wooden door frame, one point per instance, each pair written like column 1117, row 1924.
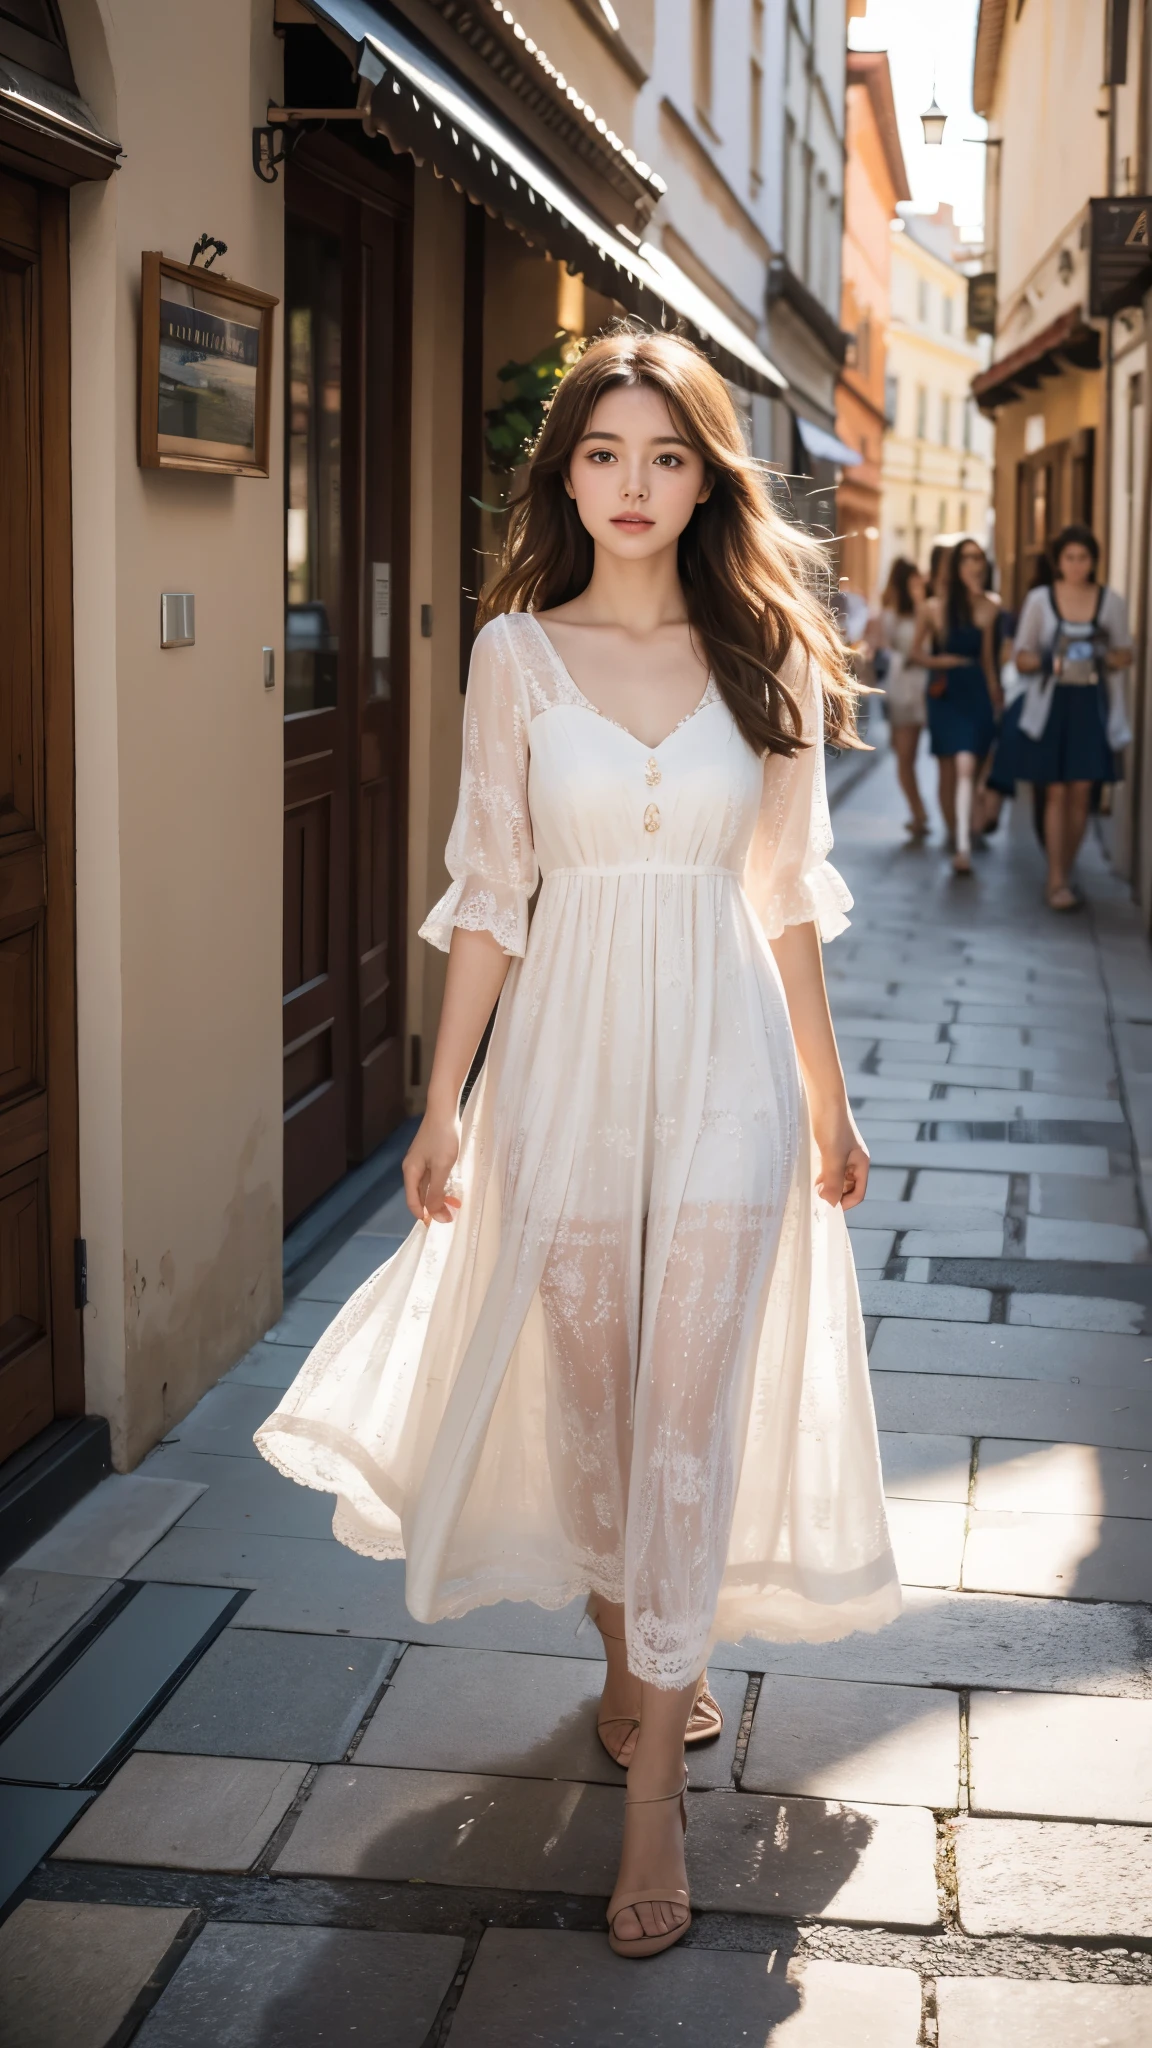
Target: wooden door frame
column 60, row 804
column 52, row 622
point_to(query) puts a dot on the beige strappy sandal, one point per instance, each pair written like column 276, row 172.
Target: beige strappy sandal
column 705, row 1722
column 651, row 1944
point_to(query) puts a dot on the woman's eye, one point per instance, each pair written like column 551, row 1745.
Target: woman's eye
column 672, row 461
column 601, row 455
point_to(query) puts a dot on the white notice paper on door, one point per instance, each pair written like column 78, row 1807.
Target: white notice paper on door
column 381, row 611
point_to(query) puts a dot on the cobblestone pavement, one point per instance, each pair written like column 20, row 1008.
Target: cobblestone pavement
column 342, row 1826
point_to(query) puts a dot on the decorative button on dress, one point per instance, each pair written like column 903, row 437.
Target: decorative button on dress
column 635, row 1362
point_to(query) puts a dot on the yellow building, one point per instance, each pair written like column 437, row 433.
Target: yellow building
column 936, row 475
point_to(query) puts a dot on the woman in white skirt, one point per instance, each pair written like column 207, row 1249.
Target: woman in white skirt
column 905, row 681
column 621, row 1355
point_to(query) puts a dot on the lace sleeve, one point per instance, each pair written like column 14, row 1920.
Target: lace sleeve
column 787, row 876
column 490, row 855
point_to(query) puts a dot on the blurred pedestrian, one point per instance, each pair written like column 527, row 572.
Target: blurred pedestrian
column 1004, row 770
column 1072, row 644
column 954, row 642
column 893, row 633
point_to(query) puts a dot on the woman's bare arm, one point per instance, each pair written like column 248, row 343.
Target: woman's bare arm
column 477, row 969
column 843, row 1175
column 930, row 624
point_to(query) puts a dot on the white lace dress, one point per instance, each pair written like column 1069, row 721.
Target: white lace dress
column 635, row 1363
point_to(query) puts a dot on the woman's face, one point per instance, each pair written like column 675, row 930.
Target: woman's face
column 917, row 588
column 971, row 566
column 636, row 481
column 1075, row 563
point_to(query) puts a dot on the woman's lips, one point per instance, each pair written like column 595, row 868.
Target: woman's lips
column 633, row 519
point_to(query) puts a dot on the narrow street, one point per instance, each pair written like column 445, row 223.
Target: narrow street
column 342, row 1826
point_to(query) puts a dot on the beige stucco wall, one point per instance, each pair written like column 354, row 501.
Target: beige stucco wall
column 179, row 754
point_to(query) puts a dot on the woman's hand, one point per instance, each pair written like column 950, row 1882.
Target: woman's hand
column 843, row 1175
column 428, row 1163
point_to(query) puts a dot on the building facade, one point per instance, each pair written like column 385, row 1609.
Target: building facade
column 875, row 181
column 227, row 816
column 1064, row 85
column 937, row 478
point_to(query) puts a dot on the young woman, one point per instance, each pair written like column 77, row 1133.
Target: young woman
column 621, row 1355
column 906, row 681
column 1071, row 644
column 954, row 641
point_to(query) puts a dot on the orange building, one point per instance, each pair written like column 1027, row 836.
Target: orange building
column 875, row 179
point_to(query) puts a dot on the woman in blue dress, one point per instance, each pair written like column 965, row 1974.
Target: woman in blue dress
column 1072, row 644
column 955, row 645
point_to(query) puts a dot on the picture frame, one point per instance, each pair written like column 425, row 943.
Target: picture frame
column 205, row 370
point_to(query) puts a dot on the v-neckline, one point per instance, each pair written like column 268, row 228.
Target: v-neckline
column 707, row 698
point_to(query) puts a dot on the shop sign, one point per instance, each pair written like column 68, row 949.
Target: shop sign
column 205, row 370
column 982, row 302
column 1120, row 270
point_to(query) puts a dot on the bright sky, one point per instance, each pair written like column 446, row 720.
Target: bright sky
column 930, row 40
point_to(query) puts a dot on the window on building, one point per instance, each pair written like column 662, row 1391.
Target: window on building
column 967, row 424
column 942, row 520
column 921, row 412
column 891, row 399
column 864, row 344
column 703, row 34
column 963, row 515
column 922, row 300
column 946, row 312
column 945, row 419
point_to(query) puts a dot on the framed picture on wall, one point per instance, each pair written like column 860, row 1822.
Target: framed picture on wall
column 205, row 370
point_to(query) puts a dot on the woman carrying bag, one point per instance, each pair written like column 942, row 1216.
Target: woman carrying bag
column 1072, row 644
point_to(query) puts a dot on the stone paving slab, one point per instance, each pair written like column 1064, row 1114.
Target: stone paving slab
column 1063, row 1479
column 840, row 1739
column 927, row 1541
column 1076, row 1312
column 109, row 1530
column 871, row 1247
column 36, row 1609
column 262, row 1694
column 1011, row 1104
column 976, row 2012
column 1067, row 1879
column 225, row 1420
column 1050, row 1237
column 928, row 1216
column 926, row 1467
column 246, row 1496
column 254, row 1986
column 960, row 1072
column 909, row 1298
column 1059, row 1757
column 550, row 1988
column 980, row 1639
column 71, row 1973
column 320, row 1587
column 1017, row 1352
column 302, row 1323
column 185, row 1813
column 457, row 1828
column 938, row 1404
column 495, row 1712
column 1080, row 1557
column 392, row 1219
column 1096, row 1201
column 354, row 1263
column 32, row 1818
column 954, row 1244
column 994, row 1155
column 813, row 1859
column 269, row 1365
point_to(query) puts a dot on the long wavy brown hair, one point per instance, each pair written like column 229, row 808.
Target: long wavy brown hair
column 750, row 579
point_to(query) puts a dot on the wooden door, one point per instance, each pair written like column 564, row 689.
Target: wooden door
column 345, row 691
column 41, row 1366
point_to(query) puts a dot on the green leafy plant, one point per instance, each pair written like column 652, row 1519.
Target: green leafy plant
column 511, row 428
